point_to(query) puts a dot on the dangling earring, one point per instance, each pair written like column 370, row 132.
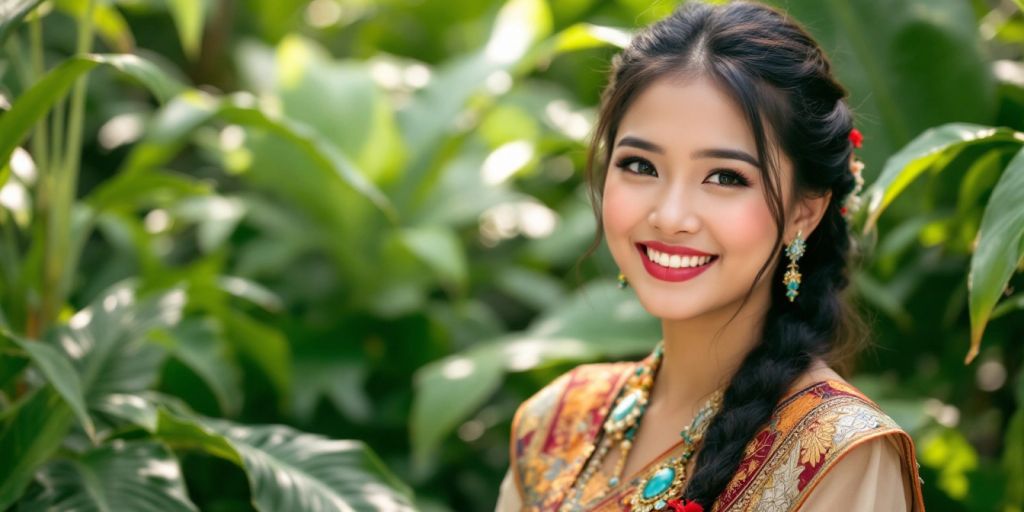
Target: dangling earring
column 623, row 283
column 794, row 251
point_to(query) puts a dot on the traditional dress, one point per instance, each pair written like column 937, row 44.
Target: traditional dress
column 827, row 437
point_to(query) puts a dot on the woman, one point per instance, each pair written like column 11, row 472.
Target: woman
column 723, row 172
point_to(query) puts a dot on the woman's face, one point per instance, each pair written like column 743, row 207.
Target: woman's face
column 684, row 208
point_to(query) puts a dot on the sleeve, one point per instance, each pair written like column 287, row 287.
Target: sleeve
column 869, row 478
column 508, row 495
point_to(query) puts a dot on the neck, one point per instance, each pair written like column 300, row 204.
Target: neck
column 702, row 354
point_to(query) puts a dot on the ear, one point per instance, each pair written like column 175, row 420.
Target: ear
column 806, row 215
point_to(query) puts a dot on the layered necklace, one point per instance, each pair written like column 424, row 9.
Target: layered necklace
column 664, row 482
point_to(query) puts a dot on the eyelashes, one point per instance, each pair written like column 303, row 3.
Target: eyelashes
column 637, row 165
column 643, row 167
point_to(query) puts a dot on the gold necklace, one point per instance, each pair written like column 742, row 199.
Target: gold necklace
column 667, row 480
column 621, row 427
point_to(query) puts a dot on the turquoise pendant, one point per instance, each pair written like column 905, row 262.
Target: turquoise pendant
column 659, row 483
column 624, row 407
column 662, row 485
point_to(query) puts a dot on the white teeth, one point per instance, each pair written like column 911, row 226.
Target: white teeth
column 675, row 260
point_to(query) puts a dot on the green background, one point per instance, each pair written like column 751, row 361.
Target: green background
column 234, row 231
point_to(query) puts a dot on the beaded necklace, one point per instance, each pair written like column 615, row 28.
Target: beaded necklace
column 666, row 480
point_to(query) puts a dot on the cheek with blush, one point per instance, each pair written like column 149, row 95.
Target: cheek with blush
column 747, row 230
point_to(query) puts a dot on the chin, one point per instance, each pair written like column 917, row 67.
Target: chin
column 672, row 309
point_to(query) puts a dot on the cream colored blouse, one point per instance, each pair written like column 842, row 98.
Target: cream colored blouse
column 869, row 478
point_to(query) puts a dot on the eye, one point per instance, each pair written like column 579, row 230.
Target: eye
column 728, row 178
column 637, row 165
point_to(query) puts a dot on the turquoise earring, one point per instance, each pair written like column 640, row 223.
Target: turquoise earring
column 794, row 251
column 623, row 283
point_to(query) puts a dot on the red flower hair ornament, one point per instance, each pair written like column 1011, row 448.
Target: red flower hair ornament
column 852, row 202
column 856, row 138
column 685, row 506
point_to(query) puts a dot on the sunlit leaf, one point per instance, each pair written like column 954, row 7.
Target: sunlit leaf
column 133, row 408
column 171, row 127
column 37, row 101
column 140, row 476
column 292, row 470
column 518, row 27
column 999, row 250
column 188, row 19
column 583, row 36
column 916, row 158
column 105, row 343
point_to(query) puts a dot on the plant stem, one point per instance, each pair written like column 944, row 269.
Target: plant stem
column 56, row 274
column 39, row 141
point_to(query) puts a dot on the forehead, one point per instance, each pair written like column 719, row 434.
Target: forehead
column 687, row 113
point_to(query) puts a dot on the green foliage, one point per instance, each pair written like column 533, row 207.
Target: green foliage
column 361, row 219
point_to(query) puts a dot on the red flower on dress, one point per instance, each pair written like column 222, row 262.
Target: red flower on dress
column 856, row 138
column 691, row 506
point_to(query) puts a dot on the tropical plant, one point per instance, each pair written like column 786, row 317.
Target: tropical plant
column 80, row 427
column 362, row 219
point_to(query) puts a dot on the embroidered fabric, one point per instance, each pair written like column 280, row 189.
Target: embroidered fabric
column 811, row 432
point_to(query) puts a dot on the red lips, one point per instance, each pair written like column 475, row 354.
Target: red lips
column 673, row 274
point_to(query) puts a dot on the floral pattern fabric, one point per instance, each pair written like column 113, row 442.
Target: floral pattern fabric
column 809, row 432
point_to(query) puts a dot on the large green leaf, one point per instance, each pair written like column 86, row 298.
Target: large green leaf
column 518, row 27
column 292, row 470
column 600, row 321
column 140, row 476
column 37, row 101
column 909, row 65
column 31, row 432
column 60, row 374
column 181, row 117
column 106, row 343
column 338, row 99
column 1000, row 248
column 109, row 340
column 135, row 191
column 918, row 156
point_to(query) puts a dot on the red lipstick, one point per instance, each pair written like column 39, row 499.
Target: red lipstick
column 672, row 274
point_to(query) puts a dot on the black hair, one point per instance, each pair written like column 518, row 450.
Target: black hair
column 782, row 81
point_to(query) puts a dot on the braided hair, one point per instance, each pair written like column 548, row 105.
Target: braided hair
column 782, row 81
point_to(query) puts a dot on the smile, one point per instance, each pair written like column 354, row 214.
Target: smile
column 676, row 261
column 674, row 267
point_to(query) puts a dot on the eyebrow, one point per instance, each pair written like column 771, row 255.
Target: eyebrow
column 731, row 154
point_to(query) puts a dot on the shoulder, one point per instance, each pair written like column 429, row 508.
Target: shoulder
column 808, row 434
column 867, row 477
column 553, row 428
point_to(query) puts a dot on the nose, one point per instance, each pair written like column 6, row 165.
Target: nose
column 675, row 211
